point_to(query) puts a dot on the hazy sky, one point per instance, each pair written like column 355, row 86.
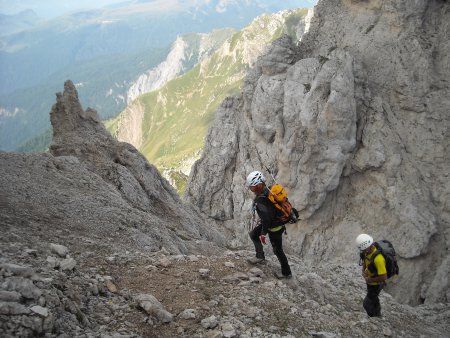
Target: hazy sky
column 51, row 8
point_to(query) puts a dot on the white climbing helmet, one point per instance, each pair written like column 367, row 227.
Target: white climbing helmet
column 363, row 241
column 255, row 178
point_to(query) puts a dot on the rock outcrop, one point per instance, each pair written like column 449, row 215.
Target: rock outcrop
column 354, row 121
column 92, row 186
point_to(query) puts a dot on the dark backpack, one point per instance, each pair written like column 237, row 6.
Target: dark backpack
column 385, row 248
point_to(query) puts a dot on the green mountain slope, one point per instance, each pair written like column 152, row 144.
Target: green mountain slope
column 104, row 84
column 172, row 122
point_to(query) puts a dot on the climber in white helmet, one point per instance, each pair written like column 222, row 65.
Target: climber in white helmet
column 268, row 225
column 374, row 273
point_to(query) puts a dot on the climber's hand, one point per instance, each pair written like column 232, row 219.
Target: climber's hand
column 263, row 239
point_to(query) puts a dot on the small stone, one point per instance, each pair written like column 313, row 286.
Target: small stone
column 228, row 330
column 245, row 283
column 42, row 311
column 236, row 277
column 214, row 334
column 9, row 296
column 153, row 307
column 256, row 272
column 387, row 332
column 53, row 262
column 24, row 286
column 187, row 314
column 322, row 334
column 213, row 303
column 164, row 251
column 60, row 250
column 31, row 252
column 203, row 272
column 67, row 264
column 210, row 322
column 10, row 308
column 94, row 290
column 111, row 286
column 18, row 270
column 250, row 312
column 193, row 258
column 164, row 262
column 274, row 328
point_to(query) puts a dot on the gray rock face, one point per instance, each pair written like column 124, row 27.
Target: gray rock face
column 354, row 121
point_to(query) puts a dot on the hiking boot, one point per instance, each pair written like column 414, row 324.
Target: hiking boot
column 377, row 315
column 256, row 260
column 279, row 275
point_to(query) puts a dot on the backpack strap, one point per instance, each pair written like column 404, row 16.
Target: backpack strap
column 371, row 266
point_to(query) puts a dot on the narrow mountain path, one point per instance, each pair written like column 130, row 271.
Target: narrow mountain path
column 95, row 290
column 224, row 296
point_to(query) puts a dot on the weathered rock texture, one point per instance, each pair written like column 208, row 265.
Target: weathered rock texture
column 134, row 294
column 354, row 121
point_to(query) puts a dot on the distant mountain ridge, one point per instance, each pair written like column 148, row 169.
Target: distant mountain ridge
column 186, row 52
column 130, row 27
column 33, row 63
column 10, row 24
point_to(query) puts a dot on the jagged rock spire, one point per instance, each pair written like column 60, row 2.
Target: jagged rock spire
column 71, row 124
column 80, row 133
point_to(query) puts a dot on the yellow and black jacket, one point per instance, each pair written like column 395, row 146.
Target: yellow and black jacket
column 378, row 267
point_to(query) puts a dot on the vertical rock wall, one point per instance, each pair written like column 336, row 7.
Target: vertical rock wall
column 354, row 121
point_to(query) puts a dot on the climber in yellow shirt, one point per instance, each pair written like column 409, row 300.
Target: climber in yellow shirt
column 374, row 273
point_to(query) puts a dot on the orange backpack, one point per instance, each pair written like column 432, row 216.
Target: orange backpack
column 278, row 196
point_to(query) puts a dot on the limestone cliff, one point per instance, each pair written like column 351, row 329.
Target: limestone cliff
column 354, row 121
column 185, row 52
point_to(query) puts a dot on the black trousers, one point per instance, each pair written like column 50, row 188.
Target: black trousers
column 276, row 239
column 372, row 303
